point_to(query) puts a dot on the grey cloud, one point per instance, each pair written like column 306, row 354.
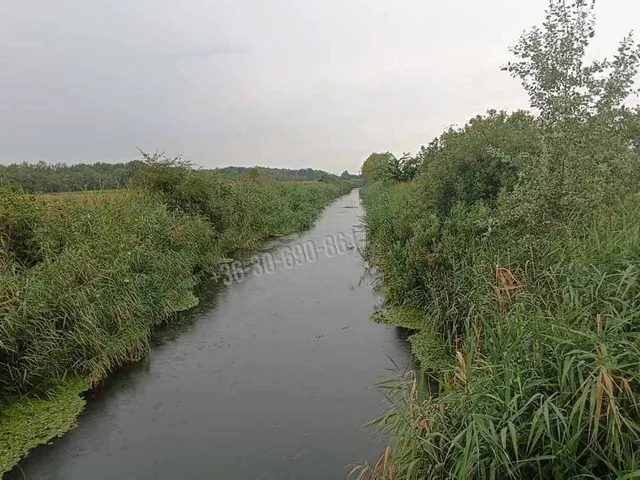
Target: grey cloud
column 273, row 82
column 223, row 49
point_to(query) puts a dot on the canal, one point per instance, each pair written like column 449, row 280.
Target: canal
column 272, row 377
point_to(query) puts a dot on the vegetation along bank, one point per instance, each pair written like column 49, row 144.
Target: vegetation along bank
column 85, row 277
column 511, row 248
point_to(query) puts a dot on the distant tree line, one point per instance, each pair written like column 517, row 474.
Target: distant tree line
column 276, row 174
column 42, row 177
column 349, row 176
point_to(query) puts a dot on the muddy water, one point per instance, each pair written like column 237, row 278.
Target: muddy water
column 272, row 377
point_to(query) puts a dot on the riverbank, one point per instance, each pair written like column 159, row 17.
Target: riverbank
column 511, row 246
column 529, row 333
column 84, row 282
column 530, row 339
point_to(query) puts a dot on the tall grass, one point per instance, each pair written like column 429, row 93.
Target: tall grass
column 533, row 341
column 83, row 285
column 529, row 329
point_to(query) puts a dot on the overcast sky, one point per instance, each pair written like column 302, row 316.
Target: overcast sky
column 244, row 82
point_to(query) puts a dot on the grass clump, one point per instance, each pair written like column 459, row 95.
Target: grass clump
column 83, row 285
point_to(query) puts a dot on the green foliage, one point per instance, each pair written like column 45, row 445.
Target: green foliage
column 587, row 130
column 252, row 175
column 182, row 188
column 237, row 174
column 84, row 290
column 374, row 166
column 46, row 178
column 399, row 169
column 242, row 214
column 476, row 162
column 514, row 256
column 349, row 176
column 542, row 377
column 93, row 280
column 562, row 86
column 385, row 167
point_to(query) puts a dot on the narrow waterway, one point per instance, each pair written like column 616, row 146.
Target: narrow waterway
column 272, row 377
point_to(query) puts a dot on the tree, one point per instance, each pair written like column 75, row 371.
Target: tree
column 587, row 131
column 476, row 162
column 550, row 62
column 252, row 175
column 375, row 165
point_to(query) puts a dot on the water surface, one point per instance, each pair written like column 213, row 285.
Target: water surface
column 270, row 378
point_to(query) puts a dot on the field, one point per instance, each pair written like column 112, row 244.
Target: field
column 85, row 278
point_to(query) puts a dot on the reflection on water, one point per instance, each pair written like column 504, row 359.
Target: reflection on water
column 271, row 378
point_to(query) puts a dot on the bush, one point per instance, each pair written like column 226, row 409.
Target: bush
column 476, row 162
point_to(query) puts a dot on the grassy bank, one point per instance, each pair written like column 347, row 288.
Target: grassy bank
column 532, row 339
column 511, row 247
column 84, row 279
